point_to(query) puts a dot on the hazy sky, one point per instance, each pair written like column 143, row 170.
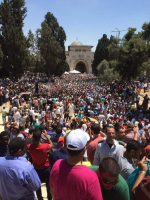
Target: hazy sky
column 89, row 19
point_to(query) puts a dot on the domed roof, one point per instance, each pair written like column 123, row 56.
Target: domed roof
column 76, row 43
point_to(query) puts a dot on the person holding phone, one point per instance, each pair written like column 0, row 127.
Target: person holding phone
column 141, row 186
column 38, row 152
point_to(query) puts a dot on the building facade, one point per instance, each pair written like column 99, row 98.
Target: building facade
column 80, row 57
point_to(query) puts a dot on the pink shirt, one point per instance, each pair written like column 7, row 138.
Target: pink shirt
column 130, row 136
column 92, row 147
column 74, row 182
column 36, row 103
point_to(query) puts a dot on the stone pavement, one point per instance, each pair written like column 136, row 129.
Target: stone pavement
column 44, row 192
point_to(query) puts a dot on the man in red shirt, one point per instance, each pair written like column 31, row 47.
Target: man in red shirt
column 69, row 179
column 95, row 130
column 38, row 152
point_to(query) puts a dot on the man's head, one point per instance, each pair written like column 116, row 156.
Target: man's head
column 72, row 125
column 31, row 130
column 15, row 131
column 21, row 127
column 17, row 147
column 133, row 148
column 140, row 125
column 76, row 142
column 54, row 126
column 108, row 173
column 120, row 133
column 110, row 132
column 130, row 125
column 95, row 128
column 37, row 135
column 4, row 138
column 59, row 130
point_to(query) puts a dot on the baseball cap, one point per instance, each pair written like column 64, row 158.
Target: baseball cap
column 78, row 139
column 15, row 144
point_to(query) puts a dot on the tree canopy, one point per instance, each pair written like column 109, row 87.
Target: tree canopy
column 50, row 40
column 128, row 57
column 44, row 50
column 12, row 39
column 101, row 52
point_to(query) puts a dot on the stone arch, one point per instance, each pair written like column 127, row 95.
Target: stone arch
column 81, row 66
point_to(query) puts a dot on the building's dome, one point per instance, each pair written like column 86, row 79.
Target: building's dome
column 76, row 43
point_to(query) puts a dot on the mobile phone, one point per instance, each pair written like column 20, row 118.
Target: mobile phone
column 147, row 159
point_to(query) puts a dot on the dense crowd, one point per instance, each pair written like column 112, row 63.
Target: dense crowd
column 83, row 138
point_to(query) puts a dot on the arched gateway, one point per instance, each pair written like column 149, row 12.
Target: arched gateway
column 81, row 67
column 80, row 57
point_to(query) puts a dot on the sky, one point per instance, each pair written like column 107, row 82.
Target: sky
column 88, row 20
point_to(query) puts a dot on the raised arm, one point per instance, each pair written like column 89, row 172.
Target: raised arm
column 48, row 139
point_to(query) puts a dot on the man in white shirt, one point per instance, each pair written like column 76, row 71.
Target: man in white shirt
column 109, row 115
column 16, row 116
column 57, row 112
column 108, row 147
column 31, row 114
column 91, row 100
column 71, row 110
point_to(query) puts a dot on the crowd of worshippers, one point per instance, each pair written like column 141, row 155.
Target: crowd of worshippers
column 83, row 139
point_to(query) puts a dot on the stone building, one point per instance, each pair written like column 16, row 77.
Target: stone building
column 80, row 57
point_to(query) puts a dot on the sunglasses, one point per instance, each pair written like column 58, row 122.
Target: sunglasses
column 108, row 182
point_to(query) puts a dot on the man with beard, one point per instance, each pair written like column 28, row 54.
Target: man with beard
column 120, row 135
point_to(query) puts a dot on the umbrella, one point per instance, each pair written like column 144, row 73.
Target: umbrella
column 75, row 72
column 66, row 73
column 92, row 119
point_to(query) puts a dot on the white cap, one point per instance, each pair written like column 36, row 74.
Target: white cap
column 84, row 126
column 77, row 138
column 136, row 122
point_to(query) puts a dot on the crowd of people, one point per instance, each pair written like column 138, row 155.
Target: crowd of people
column 85, row 139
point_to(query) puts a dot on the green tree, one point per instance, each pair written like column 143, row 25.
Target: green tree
column 32, row 42
column 113, row 48
column 106, row 73
column 146, row 32
column 1, row 58
column 146, row 67
column 131, row 57
column 129, row 34
column 32, row 58
column 12, row 39
column 51, row 38
column 101, row 52
column 6, row 35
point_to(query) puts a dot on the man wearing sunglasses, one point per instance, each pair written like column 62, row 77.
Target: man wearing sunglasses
column 112, row 184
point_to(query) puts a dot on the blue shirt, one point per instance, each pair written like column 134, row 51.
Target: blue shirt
column 18, row 179
column 51, row 133
column 3, row 151
column 58, row 154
